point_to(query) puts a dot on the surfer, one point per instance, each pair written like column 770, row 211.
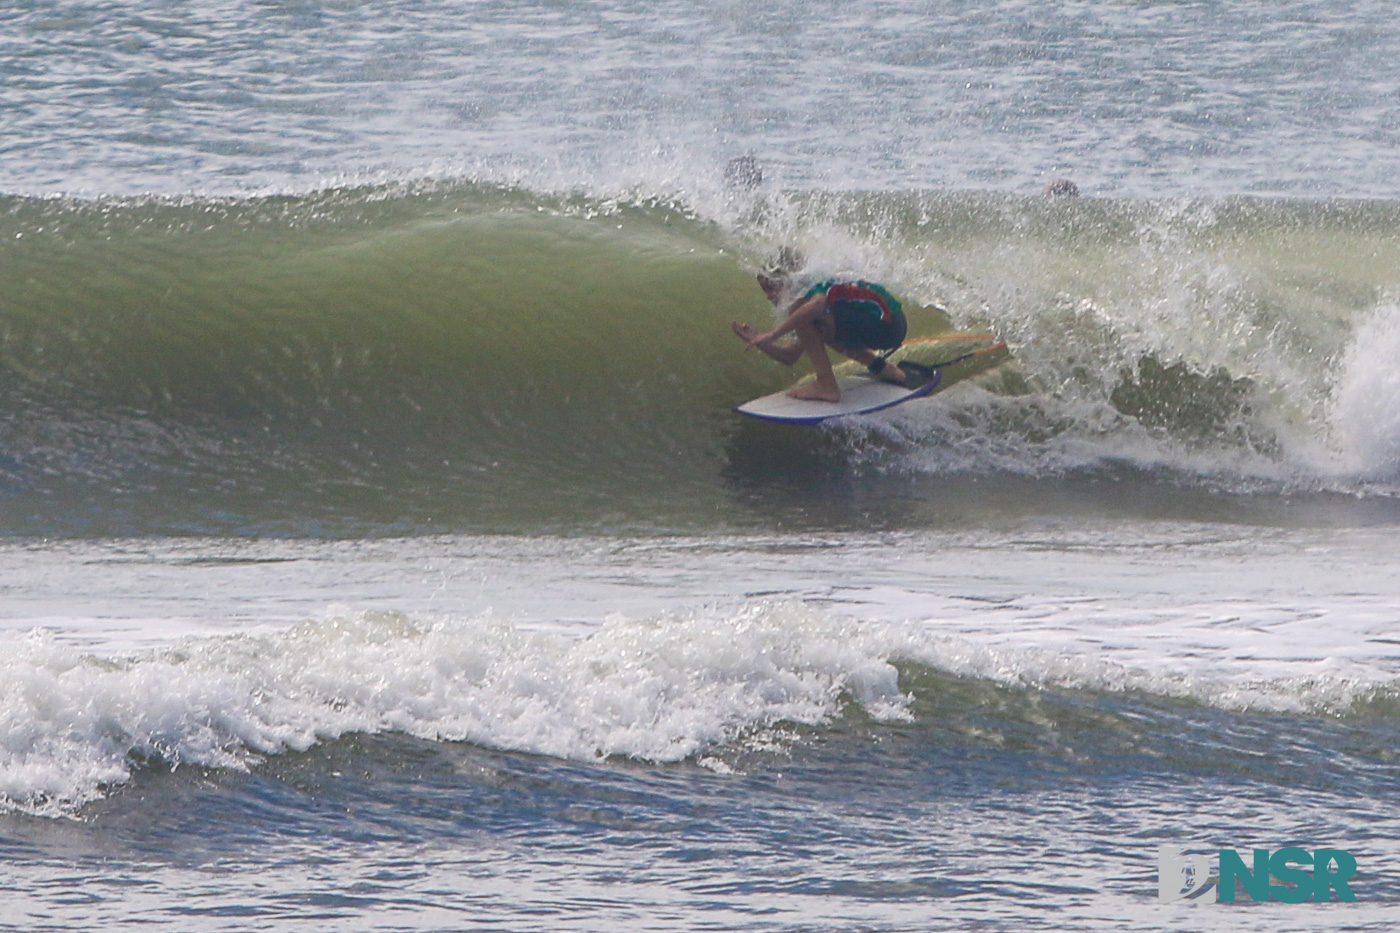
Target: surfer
column 853, row 317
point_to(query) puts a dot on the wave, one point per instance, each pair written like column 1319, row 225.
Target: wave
column 651, row 691
column 710, row 687
column 468, row 353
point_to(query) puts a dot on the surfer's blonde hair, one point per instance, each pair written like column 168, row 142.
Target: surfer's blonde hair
column 785, row 263
column 782, row 268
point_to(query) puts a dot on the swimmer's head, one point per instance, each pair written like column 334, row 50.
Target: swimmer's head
column 1061, row 188
column 743, row 172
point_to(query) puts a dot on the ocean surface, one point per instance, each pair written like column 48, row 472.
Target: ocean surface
column 379, row 549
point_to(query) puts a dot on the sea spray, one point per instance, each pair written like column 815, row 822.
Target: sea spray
column 1366, row 399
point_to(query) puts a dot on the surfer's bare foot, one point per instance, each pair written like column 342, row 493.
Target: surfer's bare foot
column 815, row 393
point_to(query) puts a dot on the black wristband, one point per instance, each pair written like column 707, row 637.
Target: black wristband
column 876, row 366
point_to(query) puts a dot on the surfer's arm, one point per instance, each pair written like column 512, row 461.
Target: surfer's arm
column 808, row 311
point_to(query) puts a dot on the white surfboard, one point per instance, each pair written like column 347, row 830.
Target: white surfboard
column 952, row 357
column 859, row 395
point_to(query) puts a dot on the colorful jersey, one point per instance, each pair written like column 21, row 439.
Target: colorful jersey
column 864, row 314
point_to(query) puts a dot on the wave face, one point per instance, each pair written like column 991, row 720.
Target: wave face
column 462, row 356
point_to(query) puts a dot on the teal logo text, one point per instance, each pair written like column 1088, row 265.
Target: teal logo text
column 1290, row 875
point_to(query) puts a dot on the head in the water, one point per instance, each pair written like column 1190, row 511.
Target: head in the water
column 852, row 316
column 743, row 172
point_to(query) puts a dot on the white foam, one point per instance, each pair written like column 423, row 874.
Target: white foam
column 659, row 689
column 641, row 649
column 1232, row 656
column 1366, row 399
column 973, row 431
column 656, row 690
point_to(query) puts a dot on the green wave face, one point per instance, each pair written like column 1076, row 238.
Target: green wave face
column 469, row 352
column 468, row 357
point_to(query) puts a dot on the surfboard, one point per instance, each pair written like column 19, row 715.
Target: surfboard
column 951, row 358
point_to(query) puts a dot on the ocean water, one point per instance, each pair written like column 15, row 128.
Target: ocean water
column 379, row 549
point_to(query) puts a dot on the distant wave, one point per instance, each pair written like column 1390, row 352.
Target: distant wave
column 77, row 725
column 705, row 687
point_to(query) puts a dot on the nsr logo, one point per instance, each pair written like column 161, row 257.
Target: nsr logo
column 1181, row 876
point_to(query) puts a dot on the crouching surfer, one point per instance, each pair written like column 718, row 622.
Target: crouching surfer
column 853, row 317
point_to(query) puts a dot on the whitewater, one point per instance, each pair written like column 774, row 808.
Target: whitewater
column 379, row 548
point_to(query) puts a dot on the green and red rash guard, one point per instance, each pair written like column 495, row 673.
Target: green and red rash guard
column 864, row 314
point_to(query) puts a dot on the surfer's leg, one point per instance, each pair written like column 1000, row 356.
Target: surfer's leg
column 865, row 356
column 813, row 343
column 787, row 352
